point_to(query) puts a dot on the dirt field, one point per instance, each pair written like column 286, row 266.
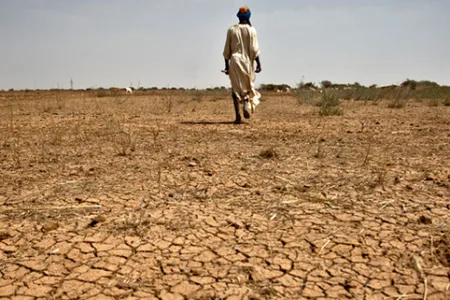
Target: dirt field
column 159, row 196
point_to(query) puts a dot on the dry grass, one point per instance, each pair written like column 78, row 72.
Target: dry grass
column 329, row 104
column 447, row 101
column 156, row 164
column 398, row 103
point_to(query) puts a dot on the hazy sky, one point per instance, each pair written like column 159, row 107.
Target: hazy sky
column 103, row 43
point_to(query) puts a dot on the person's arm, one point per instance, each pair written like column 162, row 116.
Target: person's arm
column 258, row 65
column 227, row 66
column 227, row 52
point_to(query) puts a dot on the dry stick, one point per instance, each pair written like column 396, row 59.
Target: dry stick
column 323, row 247
column 366, row 158
column 386, row 203
column 432, row 249
column 421, row 274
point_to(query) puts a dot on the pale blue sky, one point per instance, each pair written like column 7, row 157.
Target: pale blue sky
column 107, row 43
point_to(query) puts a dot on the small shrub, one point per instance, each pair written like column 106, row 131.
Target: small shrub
column 268, row 153
column 307, row 85
column 306, row 96
column 408, row 83
column 102, row 93
column 433, row 103
column 326, row 84
column 447, row 101
column 398, row 103
column 329, row 105
column 124, row 141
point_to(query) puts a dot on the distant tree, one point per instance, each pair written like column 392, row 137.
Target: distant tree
column 326, row 84
column 306, row 85
column 274, row 87
column 427, row 83
column 408, row 83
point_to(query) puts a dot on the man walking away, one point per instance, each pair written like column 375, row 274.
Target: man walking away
column 240, row 52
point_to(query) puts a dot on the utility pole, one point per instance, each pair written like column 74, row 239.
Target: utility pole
column 71, row 83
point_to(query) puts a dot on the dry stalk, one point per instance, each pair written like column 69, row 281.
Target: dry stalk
column 13, row 138
column 381, row 176
column 366, row 158
column 386, row 203
column 155, row 132
column 11, row 118
column 432, row 249
column 323, row 247
column 43, row 150
column 159, row 177
column 421, row 273
column 319, row 151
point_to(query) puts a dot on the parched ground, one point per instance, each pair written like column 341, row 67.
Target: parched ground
column 160, row 197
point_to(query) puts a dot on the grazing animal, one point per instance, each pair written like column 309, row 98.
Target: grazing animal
column 128, row 90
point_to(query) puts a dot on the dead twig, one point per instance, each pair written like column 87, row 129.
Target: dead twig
column 366, row 158
column 421, row 274
column 323, row 247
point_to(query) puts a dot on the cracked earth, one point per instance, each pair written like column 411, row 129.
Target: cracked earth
column 159, row 197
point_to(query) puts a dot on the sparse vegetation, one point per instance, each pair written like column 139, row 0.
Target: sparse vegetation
column 329, row 104
column 447, row 101
column 274, row 87
column 397, row 103
column 123, row 139
column 306, row 85
column 268, row 153
column 326, row 84
column 434, row 102
column 410, row 84
column 135, row 201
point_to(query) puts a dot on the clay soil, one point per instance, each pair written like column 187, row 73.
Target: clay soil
column 158, row 196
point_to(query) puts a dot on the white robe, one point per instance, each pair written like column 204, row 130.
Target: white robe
column 241, row 49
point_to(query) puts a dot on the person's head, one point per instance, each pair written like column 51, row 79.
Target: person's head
column 244, row 15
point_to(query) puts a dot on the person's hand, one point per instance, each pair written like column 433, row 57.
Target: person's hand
column 258, row 69
column 226, row 71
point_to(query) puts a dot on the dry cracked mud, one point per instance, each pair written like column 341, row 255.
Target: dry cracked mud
column 158, row 196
